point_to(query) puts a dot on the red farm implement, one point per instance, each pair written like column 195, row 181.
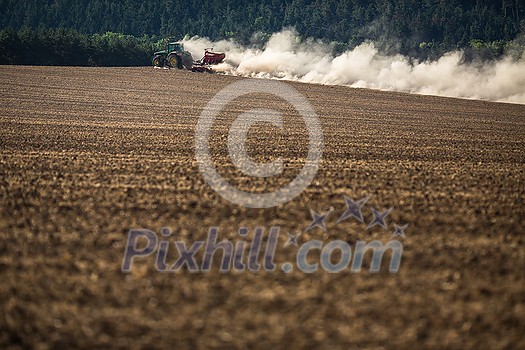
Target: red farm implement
column 210, row 58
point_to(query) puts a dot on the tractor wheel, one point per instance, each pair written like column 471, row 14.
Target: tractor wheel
column 157, row 61
column 175, row 61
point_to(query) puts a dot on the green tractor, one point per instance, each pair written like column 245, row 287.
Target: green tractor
column 173, row 56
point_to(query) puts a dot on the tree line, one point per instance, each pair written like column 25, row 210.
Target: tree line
column 419, row 28
column 67, row 47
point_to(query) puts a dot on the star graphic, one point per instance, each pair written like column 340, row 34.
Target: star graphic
column 353, row 208
column 400, row 230
column 318, row 220
column 292, row 239
column 379, row 218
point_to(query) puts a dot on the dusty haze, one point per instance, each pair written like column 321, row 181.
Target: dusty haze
column 285, row 57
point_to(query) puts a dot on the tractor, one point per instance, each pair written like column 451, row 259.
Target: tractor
column 173, row 56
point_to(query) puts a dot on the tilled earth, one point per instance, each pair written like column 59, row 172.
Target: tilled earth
column 86, row 154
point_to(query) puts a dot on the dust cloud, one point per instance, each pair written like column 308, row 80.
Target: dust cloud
column 286, row 57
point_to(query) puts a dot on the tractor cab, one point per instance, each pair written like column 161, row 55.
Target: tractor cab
column 171, row 47
column 175, row 47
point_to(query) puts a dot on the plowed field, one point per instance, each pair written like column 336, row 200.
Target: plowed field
column 86, row 154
